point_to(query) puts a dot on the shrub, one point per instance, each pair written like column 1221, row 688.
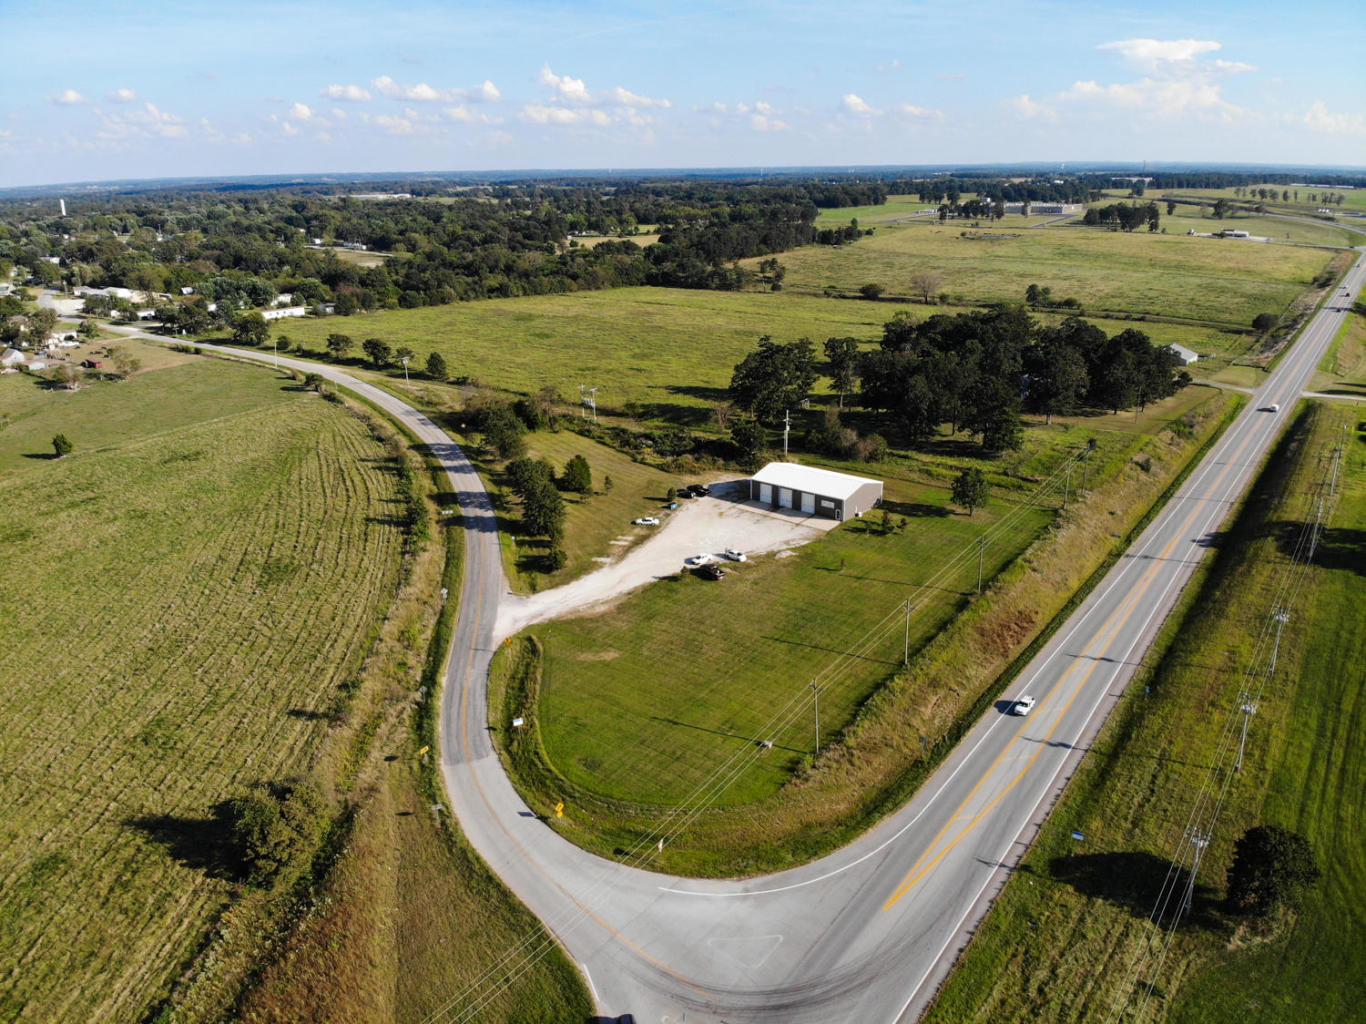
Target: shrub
column 62, row 445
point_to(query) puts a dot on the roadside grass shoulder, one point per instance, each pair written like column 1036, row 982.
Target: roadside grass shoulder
column 1343, row 369
column 1058, row 943
column 631, row 708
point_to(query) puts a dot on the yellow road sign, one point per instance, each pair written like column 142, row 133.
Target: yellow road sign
column 559, row 809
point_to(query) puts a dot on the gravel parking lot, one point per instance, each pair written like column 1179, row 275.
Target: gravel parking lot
column 711, row 524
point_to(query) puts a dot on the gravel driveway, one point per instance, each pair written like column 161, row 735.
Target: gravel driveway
column 709, row 524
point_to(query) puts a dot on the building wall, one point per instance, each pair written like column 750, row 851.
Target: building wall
column 865, row 498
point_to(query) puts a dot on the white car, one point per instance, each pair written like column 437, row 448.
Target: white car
column 645, row 521
column 702, row 559
column 1023, row 706
column 735, row 556
column 1274, row 407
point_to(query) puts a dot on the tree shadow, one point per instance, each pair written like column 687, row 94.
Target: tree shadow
column 1339, row 547
column 1135, row 881
column 41, row 455
column 201, row 844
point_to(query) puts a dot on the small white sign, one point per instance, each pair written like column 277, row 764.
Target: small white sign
column 517, row 723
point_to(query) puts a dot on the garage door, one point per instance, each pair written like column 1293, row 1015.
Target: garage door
column 784, row 497
column 809, row 503
column 766, row 493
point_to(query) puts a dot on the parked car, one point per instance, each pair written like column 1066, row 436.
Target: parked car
column 700, row 559
column 735, row 556
column 684, row 493
column 645, row 521
column 1023, row 706
column 713, row 572
column 700, row 490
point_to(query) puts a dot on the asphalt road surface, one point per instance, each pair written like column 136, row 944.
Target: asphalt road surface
column 868, row 933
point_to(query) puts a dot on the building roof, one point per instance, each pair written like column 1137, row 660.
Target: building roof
column 1186, row 354
column 811, row 480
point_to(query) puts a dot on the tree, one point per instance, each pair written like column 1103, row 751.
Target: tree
column 751, row 439
column 843, row 356
column 378, row 352
column 1272, row 867
column 1057, row 377
column 926, row 283
column 338, row 345
column 871, row 292
column 124, row 364
column 1263, row 322
column 41, row 323
column 87, row 329
column 404, row 354
column 774, row 377
column 61, row 445
column 543, row 512
column 68, row 377
column 250, row 329
column 578, row 477
column 504, row 433
column 283, row 342
column 436, row 367
column 970, row 490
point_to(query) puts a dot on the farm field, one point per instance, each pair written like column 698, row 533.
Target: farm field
column 185, row 596
column 1204, row 279
column 657, row 352
column 636, row 705
column 1060, row 939
column 672, row 351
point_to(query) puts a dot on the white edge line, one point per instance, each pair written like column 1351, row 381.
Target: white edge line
column 589, row 978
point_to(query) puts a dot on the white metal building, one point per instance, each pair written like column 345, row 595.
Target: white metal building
column 819, row 492
column 1184, row 354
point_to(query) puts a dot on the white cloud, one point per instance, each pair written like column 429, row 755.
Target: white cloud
column 537, row 113
column 855, row 105
column 1318, row 118
column 571, row 89
column 122, row 96
column 69, row 98
column 1152, row 52
column 760, row 123
column 394, row 125
column 1028, row 109
column 424, row 93
column 916, row 113
column 149, row 121
column 323, row 136
column 288, row 128
column 339, row 113
column 629, row 99
column 300, row 112
column 891, row 65
column 463, row 115
column 353, row 93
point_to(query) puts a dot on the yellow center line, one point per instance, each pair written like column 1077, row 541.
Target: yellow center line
column 918, row 872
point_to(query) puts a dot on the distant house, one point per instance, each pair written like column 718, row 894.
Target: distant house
column 325, row 308
column 147, row 314
column 38, row 364
column 283, row 299
column 282, row 312
column 91, row 364
column 1184, row 354
column 12, row 357
column 186, row 290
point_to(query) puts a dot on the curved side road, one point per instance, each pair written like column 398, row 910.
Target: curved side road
column 869, row 932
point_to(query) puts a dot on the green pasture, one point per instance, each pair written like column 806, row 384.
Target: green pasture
column 184, row 597
column 1343, row 368
column 1058, row 951
column 1203, row 279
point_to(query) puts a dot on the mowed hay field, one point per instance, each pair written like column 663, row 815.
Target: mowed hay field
column 1208, row 279
column 183, row 596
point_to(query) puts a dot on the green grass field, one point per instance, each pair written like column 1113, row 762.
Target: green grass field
column 1204, row 279
column 1343, row 369
column 1053, row 951
column 183, row 597
column 635, row 706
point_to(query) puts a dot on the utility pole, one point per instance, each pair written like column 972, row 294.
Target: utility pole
column 1067, row 487
column 981, row 547
column 1248, row 709
column 593, row 402
column 405, row 369
column 906, row 641
column 816, row 696
column 787, row 425
column 1282, row 617
column 1199, row 840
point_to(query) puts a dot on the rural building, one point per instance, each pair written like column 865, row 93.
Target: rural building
column 1184, row 354
column 92, row 364
column 1040, row 209
column 821, row 492
column 283, row 311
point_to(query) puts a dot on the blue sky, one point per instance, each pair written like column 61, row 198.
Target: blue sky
column 101, row 90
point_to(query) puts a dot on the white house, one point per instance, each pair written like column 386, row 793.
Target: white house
column 284, row 311
column 37, row 364
column 186, row 290
column 12, row 357
column 283, row 299
column 1184, row 354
